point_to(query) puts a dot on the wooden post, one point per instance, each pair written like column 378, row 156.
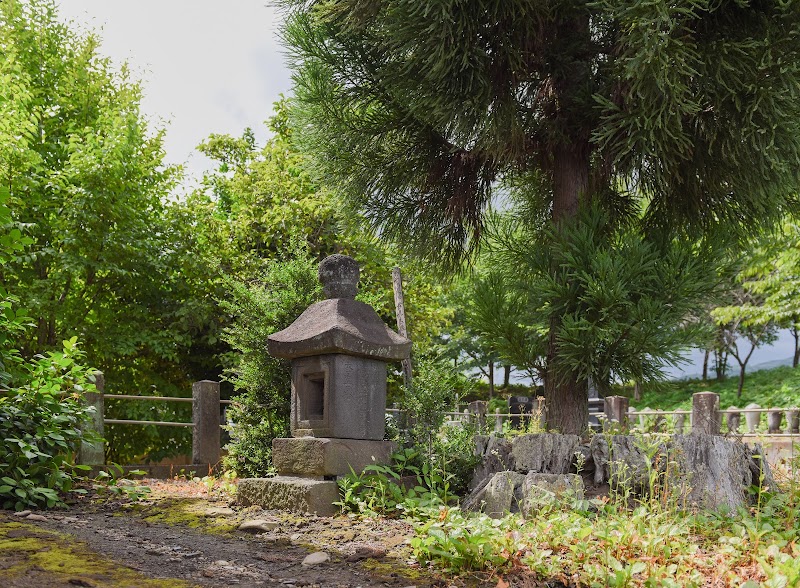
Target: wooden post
column 400, row 307
column 205, row 416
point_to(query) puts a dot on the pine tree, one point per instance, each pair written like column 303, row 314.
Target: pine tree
column 418, row 108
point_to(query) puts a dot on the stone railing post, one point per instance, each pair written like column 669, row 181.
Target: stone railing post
column 734, row 420
column 498, row 421
column 774, row 417
column 94, row 453
column 478, row 409
column 680, row 423
column 706, row 417
column 792, row 420
column 616, row 409
column 205, row 417
column 753, row 419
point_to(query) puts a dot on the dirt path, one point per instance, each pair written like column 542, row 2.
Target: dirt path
column 190, row 541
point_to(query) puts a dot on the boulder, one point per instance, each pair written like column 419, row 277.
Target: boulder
column 620, row 460
column 542, row 490
column 546, row 453
column 512, row 492
column 497, row 496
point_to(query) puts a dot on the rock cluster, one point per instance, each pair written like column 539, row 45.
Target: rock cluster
column 524, row 473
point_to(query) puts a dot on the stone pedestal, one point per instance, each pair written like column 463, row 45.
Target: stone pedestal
column 290, row 494
column 312, row 456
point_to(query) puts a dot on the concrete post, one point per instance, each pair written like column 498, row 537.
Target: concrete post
column 792, row 421
column 478, row 408
column 94, row 453
column 644, row 418
column 205, row 416
column 680, row 423
column 774, row 417
column 616, row 409
column 734, row 419
column 753, row 419
column 706, row 417
column 498, row 421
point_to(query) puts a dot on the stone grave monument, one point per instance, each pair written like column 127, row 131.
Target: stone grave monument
column 338, row 349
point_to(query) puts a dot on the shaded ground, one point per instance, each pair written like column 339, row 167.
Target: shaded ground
column 183, row 537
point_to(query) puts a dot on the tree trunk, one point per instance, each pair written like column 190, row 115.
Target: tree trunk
column 705, row 365
column 491, row 380
column 567, row 402
column 506, row 376
column 796, row 357
column 637, row 391
column 741, row 381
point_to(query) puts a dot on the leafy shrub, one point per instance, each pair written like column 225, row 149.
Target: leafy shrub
column 259, row 308
column 40, row 424
column 455, row 457
column 382, row 490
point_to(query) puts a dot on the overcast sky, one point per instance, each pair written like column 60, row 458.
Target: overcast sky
column 207, row 66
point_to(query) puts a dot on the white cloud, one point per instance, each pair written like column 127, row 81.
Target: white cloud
column 207, row 66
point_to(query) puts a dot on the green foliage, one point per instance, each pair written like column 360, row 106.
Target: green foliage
column 417, row 109
column 614, row 545
column 106, row 258
column 40, row 423
column 382, row 490
column 626, row 304
column 435, row 385
column 774, row 387
column 112, row 482
column 267, row 304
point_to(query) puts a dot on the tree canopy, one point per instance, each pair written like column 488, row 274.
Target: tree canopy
column 418, row 110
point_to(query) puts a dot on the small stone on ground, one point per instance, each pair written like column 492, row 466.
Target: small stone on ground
column 316, row 558
column 258, row 526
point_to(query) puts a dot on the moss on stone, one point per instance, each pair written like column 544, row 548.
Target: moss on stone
column 58, row 558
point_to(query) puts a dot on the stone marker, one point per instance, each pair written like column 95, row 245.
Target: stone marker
column 774, row 417
column 792, row 420
column 338, row 350
column 734, row 419
column 616, row 408
column 753, row 419
column 706, row 418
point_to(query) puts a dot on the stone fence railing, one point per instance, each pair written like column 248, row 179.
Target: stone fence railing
column 206, row 424
column 704, row 417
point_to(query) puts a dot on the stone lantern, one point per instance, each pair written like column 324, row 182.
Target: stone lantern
column 338, row 350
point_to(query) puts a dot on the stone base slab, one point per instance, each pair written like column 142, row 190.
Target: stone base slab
column 290, row 494
column 313, row 456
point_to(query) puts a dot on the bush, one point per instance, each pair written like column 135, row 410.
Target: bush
column 40, row 424
column 259, row 308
